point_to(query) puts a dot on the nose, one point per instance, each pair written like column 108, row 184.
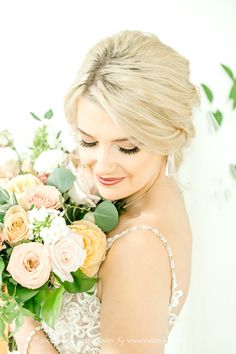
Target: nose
column 105, row 162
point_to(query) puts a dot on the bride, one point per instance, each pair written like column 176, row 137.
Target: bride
column 131, row 113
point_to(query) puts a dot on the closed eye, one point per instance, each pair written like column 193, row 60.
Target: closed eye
column 125, row 151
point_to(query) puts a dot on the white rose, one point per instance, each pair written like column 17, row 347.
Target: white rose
column 49, row 160
column 9, row 163
column 67, row 140
column 67, row 255
column 83, row 188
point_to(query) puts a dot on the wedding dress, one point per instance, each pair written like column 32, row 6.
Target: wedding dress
column 77, row 329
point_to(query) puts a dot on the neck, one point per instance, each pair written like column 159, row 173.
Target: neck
column 134, row 202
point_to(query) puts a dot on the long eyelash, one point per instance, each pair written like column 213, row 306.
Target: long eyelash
column 125, row 151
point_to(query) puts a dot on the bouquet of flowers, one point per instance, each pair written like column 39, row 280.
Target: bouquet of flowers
column 52, row 231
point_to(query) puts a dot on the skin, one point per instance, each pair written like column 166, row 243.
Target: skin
column 106, row 159
column 128, row 307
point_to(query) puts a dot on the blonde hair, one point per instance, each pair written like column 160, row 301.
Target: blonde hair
column 144, row 86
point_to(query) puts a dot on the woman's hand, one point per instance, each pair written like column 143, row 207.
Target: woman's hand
column 39, row 342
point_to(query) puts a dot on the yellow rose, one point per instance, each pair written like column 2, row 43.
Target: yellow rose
column 94, row 243
column 15, row 227
column 21, row 183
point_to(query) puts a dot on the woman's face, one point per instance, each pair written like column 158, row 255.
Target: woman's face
column 106, row 151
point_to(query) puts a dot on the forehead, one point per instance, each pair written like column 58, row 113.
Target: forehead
column 94, row 120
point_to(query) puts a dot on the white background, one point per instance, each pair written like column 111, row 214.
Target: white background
column 42, row 46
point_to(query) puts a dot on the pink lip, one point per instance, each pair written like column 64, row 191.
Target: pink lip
column 109, row 181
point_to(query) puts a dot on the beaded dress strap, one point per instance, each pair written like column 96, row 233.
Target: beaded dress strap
column 175, row 294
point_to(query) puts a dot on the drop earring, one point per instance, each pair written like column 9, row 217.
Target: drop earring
column 170, row 165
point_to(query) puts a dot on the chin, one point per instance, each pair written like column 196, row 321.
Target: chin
column 110, row 195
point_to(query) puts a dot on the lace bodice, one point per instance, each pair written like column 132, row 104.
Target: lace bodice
column 77, row 329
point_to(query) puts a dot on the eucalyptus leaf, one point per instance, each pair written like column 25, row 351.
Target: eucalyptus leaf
column 34, row 116
column 4, row 196
column 14, row 200
column 4, row 207
column 106, row 216
column 208, row 92
column 48, row 114
column 62, row 178
column 228, row 71
column 52, row 306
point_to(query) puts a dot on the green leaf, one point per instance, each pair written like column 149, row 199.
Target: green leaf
column 24, row 294
column 58, row 134
column 4, row 196
column 61, row 178
column 2, row 329
column 4, row 207
column 30, row 305
column 228, row 71
column 48, row 114
column 27, row 312
column 20, row 319
column 81, row 283
column 52, row 306
column 208, row 92
column 2, row 266
column 34, row 116
column 232, row 94
column 106, row 216
column 218, row 117
column 14, row 199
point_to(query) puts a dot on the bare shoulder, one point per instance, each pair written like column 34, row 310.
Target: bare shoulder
column 142, row 247
column 135, row 295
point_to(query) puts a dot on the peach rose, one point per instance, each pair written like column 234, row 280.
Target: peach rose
column 42, row 196
column 67, row 255
column 2, row 239
column 16, row 225
column 21, row 183
column 94, row 242
column 30, row 265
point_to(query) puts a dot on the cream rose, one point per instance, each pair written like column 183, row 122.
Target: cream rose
column 21, row 183
column 16, row 225
column 94, row 242
column 67, row 255
column 2, row 239
column 41, row 196
column 83, row 190
column 30, row 265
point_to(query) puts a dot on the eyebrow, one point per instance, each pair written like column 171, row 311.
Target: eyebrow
column 124, row 139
